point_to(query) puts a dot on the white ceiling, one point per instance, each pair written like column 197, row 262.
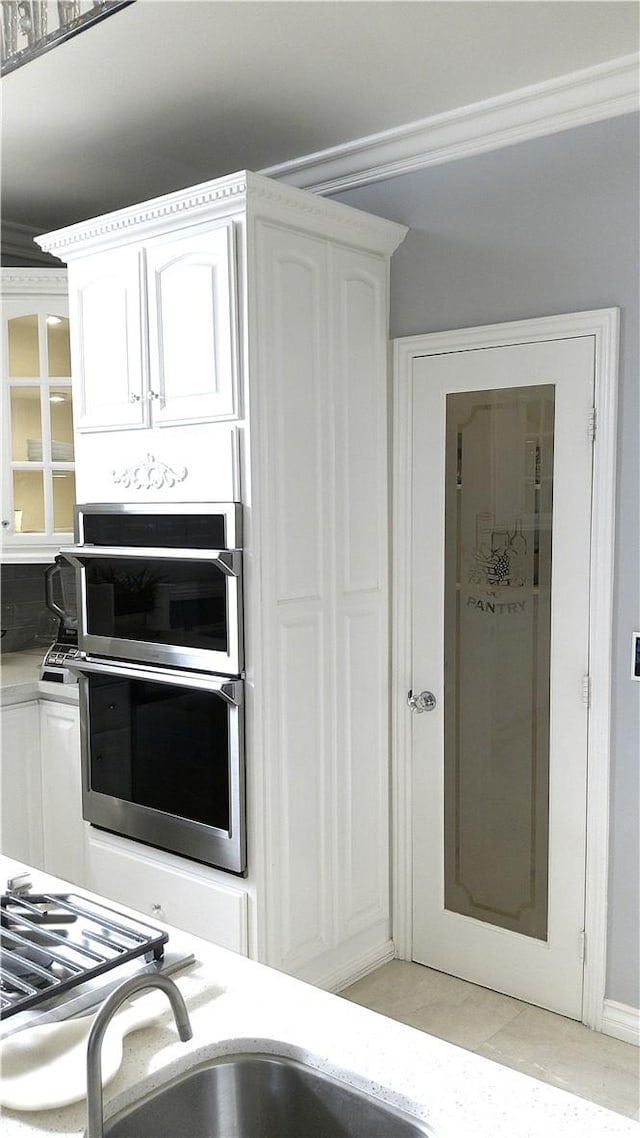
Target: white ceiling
column 168, row 93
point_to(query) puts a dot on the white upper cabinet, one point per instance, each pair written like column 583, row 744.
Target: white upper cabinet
column 38, row 470
column 155, row 323
column 191, row 298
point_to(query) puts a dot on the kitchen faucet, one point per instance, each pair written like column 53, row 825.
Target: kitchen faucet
column 95, row 1121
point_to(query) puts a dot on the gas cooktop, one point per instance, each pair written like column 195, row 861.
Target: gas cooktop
column 61, row 954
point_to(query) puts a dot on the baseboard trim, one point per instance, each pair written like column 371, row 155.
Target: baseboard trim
column 576, row 99
column 622, row 1021
column 342, row 977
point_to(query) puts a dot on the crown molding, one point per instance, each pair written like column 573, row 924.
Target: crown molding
column 111, row 228
column 18, row 241
column 26, row 281
column 222, row 197
column 576, row 99
column 276, row 200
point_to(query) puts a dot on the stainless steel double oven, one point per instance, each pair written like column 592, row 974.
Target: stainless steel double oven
column 161, row 675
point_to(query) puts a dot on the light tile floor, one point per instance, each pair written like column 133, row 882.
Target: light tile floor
column 550, row 1047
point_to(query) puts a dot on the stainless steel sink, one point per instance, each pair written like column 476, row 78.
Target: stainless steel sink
column 260, row 1096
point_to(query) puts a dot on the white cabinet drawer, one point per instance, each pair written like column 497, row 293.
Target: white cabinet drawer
column 191, row 897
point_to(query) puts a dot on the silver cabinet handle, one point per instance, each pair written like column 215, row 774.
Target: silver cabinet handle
column 153, row 394
column 424, row 701
column 133, row 398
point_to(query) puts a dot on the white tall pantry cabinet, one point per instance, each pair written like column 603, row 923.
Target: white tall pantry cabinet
column 230, row 342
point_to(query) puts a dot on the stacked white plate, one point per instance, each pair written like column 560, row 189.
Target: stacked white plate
column 60, row 452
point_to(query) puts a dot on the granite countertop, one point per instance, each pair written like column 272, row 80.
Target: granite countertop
column 239, row 1005
column 20, row 680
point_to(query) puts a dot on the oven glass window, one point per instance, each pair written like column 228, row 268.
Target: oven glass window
column 159, row 601
column 162, row 746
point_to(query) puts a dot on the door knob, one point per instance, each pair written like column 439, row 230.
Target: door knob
column 424, row 701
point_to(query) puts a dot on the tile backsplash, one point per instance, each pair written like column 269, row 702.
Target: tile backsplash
column 25, row 619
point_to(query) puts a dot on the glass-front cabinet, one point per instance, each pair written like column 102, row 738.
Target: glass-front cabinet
column 38, row 483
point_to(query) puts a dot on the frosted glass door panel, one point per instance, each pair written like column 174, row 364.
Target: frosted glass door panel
column 61, row 418
column 64, row 495
column 498, row 508
column 26, row 424
column 24, row 347
column 58, row 346
column 28, row 501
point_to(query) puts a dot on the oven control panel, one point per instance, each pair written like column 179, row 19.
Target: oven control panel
column 55, row 666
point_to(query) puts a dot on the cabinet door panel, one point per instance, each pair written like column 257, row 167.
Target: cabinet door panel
column 191, row 291
column 107, row 344
column 64, row 828
column 358, row 298
column 21, row 830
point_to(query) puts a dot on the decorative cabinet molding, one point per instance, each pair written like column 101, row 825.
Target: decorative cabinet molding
column 149, row 474
column 225, row 197
column 198, row 462
column 273, row 391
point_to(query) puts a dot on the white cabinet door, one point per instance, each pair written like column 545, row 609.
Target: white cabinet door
column 321, row 375
column 499, row 617
column 108, row 353
column 38, row 487
column 63, row 825
column 21, row 794
column 192, row 350
column 188, row 896
column 359, row 391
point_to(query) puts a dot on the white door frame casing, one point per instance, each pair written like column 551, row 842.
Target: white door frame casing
column 603, row 325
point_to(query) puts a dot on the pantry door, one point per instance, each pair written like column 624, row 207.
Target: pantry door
column 499, row 528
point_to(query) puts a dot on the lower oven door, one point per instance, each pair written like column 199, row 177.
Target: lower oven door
column 163, row 759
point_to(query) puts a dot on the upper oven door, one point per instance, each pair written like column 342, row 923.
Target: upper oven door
column 172, row 601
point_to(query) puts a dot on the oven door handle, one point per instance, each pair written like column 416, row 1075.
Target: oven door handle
column 232, row 691
column 229, row 560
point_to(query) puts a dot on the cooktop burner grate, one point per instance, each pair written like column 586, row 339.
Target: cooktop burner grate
column 50, row 942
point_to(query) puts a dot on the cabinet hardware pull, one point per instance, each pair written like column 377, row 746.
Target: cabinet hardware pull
column 133, row 398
